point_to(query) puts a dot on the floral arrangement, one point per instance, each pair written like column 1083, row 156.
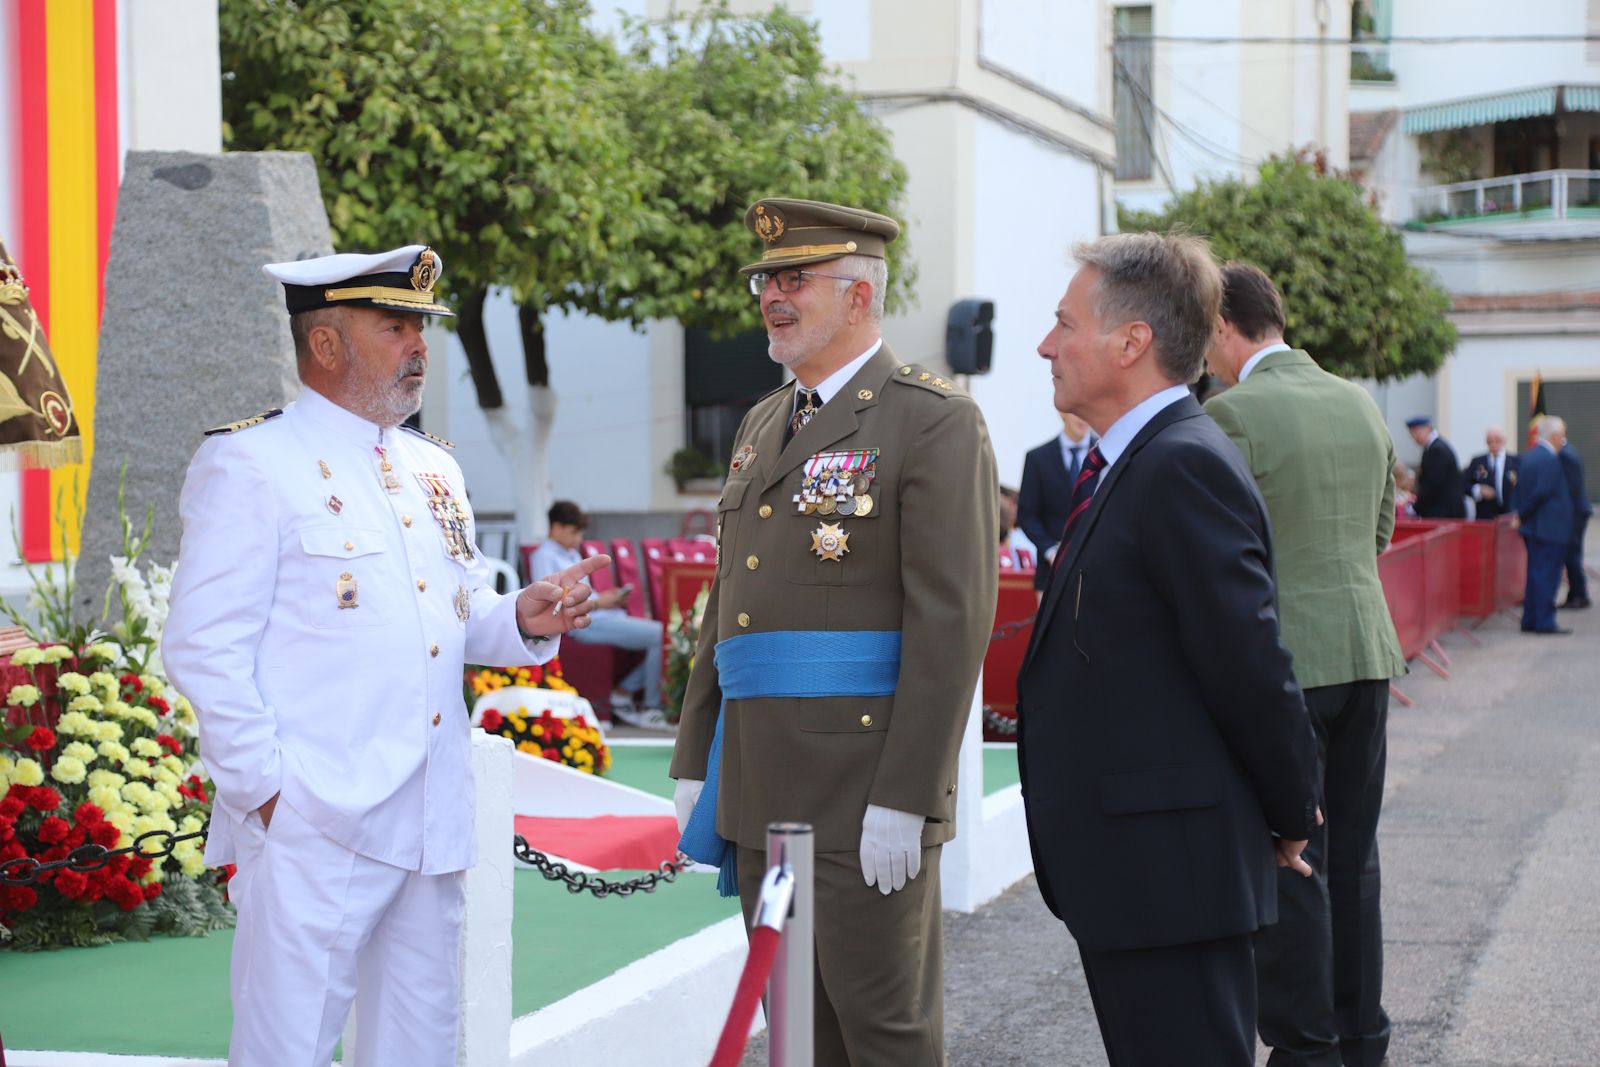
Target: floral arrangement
column 97, row 748
column 481, row 680
column 683, row 636
column 575, row 741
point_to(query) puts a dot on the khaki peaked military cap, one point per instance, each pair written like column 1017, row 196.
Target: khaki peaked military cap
column 797, row 232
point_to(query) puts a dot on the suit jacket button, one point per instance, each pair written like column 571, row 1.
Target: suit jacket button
column 866, row 720
column 753, row 562
column 436, row 718
column 949, row 790
column 766, row 511
column 744, row 618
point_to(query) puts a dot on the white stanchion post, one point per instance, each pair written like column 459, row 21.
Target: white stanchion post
column 959, row 862
column 486, row 925
column 791, row 987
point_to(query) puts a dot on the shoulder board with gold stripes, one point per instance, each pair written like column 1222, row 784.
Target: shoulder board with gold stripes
column 244, row 424
column 423, row 433
column 912, row 374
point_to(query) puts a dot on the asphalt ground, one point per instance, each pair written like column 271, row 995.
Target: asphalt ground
column 1490, row 843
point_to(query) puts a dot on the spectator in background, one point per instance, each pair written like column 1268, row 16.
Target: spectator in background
column 1577, row 581
column 1008, row 524
column 1439, row 493
column 1048, row 474
column 1324, row 461
column 1405, row 491
column 1544, row 508
column 609, row 624
column 1491, row 478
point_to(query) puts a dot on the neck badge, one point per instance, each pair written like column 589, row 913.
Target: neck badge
column 838, row 483
column 449, row 514
column 386, row 474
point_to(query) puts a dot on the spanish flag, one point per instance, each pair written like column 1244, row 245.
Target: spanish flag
column 1535, row 409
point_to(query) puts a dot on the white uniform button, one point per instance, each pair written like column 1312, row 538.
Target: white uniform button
column 422, row 586
column 405, row 520
column 349, row 546
column 434, row 651
column 436, row 718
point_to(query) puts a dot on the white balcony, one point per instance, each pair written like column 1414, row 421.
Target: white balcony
column 1544, row 205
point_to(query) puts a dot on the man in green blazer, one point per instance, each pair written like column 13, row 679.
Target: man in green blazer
column 854, row 596
column 1323, row 459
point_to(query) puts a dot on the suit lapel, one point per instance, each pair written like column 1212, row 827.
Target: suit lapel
column 1186, row 408
column 838, row 419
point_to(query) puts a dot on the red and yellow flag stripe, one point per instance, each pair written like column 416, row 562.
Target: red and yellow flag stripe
column 68, row 162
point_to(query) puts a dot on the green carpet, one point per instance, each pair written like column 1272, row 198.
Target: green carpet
column 169, row 996
column 645, row 767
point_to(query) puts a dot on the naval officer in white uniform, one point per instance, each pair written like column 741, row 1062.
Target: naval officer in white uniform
column 327, row 593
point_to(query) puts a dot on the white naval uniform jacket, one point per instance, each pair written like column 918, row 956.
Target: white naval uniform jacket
column 354, row 714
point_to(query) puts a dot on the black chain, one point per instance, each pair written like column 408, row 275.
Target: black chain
column 580, row 882
column 25, row 870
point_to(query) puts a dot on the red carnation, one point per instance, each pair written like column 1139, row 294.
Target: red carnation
column 535, row 675
column 124, row 894
column 492, row 720
column 139, row 867
column 71, row 884
column 151, row 890
column 106, row 835
column 53, row 830
column 17, row 898
column 42, row 738
column 552, row 755
column 170, row 743
column 87, row 814
column 13, row 804
column 159, row 705
column 132, row 680
column 8, row 829
column 44, row 798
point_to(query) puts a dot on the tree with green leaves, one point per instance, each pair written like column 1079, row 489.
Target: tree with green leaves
column 1351, row 297
column 538, row 156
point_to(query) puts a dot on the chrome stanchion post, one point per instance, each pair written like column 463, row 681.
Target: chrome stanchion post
column 789, row 992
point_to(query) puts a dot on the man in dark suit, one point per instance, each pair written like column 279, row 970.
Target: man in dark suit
column 1329, row 486
column 1162, row 739
column 1439, row 493
column 1047, row 476
column 1545, row 513
column 1491, row 477
column 1577, row 580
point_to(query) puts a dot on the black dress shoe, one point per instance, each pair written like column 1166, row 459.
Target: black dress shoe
column 1557, row 630
column 1580, row 602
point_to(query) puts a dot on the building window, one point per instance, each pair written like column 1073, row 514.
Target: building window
column 1371, row 20
column 1577, row 401
column 1132, row 103
column 723, row 377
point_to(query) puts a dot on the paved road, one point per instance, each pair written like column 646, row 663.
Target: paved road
column 1491, row 863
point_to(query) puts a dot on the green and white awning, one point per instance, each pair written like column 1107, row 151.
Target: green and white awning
column 1502, row 107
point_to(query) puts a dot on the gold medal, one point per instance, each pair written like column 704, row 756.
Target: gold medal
column 345, row 589
column 864, row 505
column 829, row 541
column 827, row 506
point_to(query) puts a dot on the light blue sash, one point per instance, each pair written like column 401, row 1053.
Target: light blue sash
column 785, row 663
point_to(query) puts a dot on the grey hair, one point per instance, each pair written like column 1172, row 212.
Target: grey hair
column 869, row 269
column 1549, row 426
column 1169, row 281
column 301, row 325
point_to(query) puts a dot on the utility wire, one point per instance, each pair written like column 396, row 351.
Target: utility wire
column 1374, row 42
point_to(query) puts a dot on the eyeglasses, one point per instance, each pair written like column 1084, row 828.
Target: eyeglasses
column 789, row 281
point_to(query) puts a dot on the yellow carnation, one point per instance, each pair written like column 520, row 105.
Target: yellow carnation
column 23, row 696
column 69, row 771
column 75, row 722
column 26, row 772
column 86, row 702
column 113, row 750
column 108, row 731
column 154, row 684
column 106, row 798
column 144, row 746
column 106, row 682
column 73, row 682
column 122, row 818
column 102, row 650
column 5, row 768
column 79, row 751
column 28, row 657
column 173, row 764
column 57, row 654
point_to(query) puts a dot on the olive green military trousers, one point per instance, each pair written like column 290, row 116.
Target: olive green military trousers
column 879, row 965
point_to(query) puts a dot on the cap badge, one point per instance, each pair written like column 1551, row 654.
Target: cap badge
column 769, row 224
column 426, row 270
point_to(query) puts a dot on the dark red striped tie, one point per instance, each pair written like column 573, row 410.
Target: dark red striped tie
column 1082, row 493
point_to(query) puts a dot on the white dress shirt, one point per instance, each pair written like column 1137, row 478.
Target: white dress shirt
column 1250, row 364
column 829, row 387
column 353, row 715
column 1116, row 440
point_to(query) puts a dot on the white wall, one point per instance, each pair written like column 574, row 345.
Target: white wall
column 1480, row 389
column 172, row 81
column 1022, row 261
column 1049, row 42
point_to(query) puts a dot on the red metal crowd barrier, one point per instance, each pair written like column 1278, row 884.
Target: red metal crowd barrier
column 1493, row 561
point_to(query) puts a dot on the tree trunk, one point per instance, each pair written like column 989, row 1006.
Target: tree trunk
column 469, row 327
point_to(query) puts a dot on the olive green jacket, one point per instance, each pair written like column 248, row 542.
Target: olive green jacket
column 1324, row 461
column 922, row 562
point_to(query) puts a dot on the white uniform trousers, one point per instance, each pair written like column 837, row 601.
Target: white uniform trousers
column 317, row 924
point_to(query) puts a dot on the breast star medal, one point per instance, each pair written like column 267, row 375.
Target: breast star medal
column 829, row 541
column 345, row 589
column 463, row 604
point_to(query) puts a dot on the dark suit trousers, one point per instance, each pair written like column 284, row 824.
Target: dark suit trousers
column 1320, row 969
column 1577, row 581
column 1545, row 560
column 878, row 999
column 1193, row 1005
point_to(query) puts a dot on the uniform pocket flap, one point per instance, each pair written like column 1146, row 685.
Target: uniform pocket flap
column 825, row 716
column 341, row 542
column 733, row 495
column 1160, row 789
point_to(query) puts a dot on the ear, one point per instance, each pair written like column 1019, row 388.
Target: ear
column 1136, row 338
column 860, row 302
column 327, row 347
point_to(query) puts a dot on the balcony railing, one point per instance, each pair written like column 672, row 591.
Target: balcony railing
column 1545, row 194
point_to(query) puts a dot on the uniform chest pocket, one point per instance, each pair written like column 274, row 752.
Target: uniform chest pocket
column 728, row 523
column 343, row 577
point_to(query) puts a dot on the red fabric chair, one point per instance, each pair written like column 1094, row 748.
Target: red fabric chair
column 656, row 554
column 626, row 561
column 604, row 579
column 693, row 549
column 1025, row 556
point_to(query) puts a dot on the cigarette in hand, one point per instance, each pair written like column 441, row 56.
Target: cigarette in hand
column 563, row 599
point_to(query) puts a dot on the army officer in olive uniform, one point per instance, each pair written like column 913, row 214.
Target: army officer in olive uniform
column 854, row 597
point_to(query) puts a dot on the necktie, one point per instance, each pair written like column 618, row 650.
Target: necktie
column 1499, row 462
column 807, row 404
column 1082, row 493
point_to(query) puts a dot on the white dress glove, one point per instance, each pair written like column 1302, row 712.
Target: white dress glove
column 891, row 847
column 685, row 795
